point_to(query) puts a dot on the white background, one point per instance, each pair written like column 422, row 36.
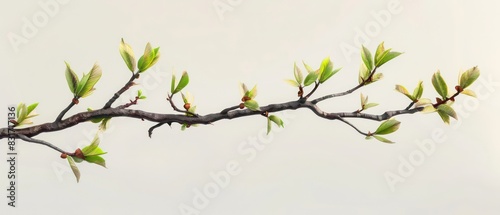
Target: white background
column 313, row 166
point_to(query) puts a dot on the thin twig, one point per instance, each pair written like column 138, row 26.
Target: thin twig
column 363, row 83
column 129, row 84
column 169, row 99
column 45, row 143
column 355, row 128
column 316, row 84
column 230, row 109
column 63, row 112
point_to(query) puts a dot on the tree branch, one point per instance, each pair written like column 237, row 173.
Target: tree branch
column 63, row 112
column 32, row 140
column 129, row 84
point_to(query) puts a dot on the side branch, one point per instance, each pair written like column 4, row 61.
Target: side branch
column 129, row 84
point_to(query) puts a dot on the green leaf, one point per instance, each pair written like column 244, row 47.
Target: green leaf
column 71, row 78
column 298, row 74
column 276, row 120
column 252, row 105
column 90, row 148
column 404, row 91
column 182, row 83
column 468, row 77
column 444, row 116
column 252, row 93
column 440, row 84
column 104, row 124
column 31, row 108
column 363, row 73
column 22, row 113
column 369, row 105
column 149, row 58
column 308, row 68
column 128, row 55
column 74, row 168
column 364, row 99
column 293, row 83
column 447, row 110
column 388, row 127
column 311, row 78
column 380, row 53
column 382, row 139
column 96, row 159
column 422, row 102
column 468, row 92
column 326, row 66
column 243, row 89
column 387, row 57
column 172, row 85
column 81, row 85
column 93, row 76
column 428, row 109
column 417, row 92
column 367, row 58
column 268, row 125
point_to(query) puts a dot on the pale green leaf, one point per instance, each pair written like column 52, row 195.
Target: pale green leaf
column 298, row 74
column 276, row 120
column 404, row 91
column 311, row 78
column 268, row 125
column 388, row 127
column 252, row 93
column 382, row 139
column 308, row 68
column 292, row 83
column 417, row 92
column 422, row 102
column 367, row 58
column 96, row 159
column 74, row 168
column 440, row 85
column 172, row 84
column 325, row 70
column 31, row 108
column 468, row 77
column 252, row 105
column 387, row 57
column 88, row 149
column 71, row 78
column 363, row 73
column 468, row 92
column 369, row 105
column 448, row 110
column 428, row 109
column 128, row 55
column 93, row 77
column 444, row 116
column 380, row 53
column 182, row 83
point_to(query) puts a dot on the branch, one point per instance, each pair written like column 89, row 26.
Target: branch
column 363, row 83
column 129, row 84
column 203, row 119
column 61, row 115
column 32, row 140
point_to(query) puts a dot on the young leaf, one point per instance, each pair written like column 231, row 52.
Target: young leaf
column 21, row 114
column 417, row 92
column 468, row 77
column 252, row 93
column 182, row 83
column 268, row 125
column 104, row 124
column 128, row 55
column 74, row 168
column 172, row 85
column 298, row 74
column 96, row 159
column 252, row 105
column 388, row 127
column 363, row 73
column 88, row 149
column 276, row 120
column 149, row 58
column 440, row 84
column 367, row 58
column 292, row 83
column 93, row 76
column 380, row 53
column 382, row 139
column 422, row 102
column 325, row 69
column 428, row 109
column 444, row 116
column 364, row 99
column 404, row 91
column 308, row 68
column 447, row 110
column 468, row 92
column 311, row 78
column 32, row 107
column 369, row 105
column 387, row 57
column 71, row 78
column 243, row 89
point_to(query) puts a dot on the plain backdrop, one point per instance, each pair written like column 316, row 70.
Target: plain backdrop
column 312, row 166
